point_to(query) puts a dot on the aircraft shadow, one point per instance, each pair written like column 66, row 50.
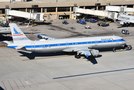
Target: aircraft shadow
column 93, row 60
column 43, row 23
column 32, row 55
column 109, row 49
column 124, row 26
column 120, row 27
column 1, row 88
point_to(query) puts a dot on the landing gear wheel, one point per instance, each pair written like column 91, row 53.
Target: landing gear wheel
column 114, row 49
column 123, row 32
column 77, row 56
column 130, row 47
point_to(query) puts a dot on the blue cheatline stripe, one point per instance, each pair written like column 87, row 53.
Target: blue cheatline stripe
column 12, row 46
column 73, row 43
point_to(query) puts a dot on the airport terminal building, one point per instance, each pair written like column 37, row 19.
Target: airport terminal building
column 59, row 9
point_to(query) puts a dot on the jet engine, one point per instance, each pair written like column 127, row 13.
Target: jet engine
column 39, row 36
column 94, row 52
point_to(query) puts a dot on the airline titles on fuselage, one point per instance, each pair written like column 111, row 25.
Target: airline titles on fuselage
column 106, row 38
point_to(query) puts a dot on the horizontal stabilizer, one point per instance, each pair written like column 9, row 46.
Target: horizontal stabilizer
column 7, row 29
column 8, row 42
column 19, row 47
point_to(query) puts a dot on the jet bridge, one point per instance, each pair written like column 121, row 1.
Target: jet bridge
column 112, row 12
column 119, row 9
column 33, row 16
column 111, row 15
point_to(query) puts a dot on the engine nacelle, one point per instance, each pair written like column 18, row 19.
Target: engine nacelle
column 43, row 36
column 95, row 52
column 122, row 23
column 39, row 36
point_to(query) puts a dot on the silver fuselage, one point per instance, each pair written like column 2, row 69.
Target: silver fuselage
column 62, row 44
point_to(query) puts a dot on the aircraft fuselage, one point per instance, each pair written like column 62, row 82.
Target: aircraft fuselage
column 62, row 44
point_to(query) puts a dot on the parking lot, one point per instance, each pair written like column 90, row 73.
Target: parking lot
column 22, row 70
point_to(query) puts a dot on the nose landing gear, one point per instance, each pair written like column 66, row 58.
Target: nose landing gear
column 128, row 47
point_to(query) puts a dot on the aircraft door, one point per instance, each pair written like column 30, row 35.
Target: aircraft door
column 67, row 44
column 32, row 46
column 96, row 43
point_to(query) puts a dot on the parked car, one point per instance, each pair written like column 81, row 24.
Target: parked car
column 81, row 21
column 92, row 20
column 64, row 22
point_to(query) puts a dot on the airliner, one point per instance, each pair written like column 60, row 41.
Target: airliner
column 7, row 29
column 86, row 46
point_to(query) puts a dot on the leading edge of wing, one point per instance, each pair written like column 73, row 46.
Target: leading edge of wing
column 83, row 51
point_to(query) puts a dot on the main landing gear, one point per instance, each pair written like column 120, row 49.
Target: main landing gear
column 77, row 56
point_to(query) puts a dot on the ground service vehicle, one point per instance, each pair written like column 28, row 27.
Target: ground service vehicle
column 103, row 24
column 124, row 31
column 64, row 22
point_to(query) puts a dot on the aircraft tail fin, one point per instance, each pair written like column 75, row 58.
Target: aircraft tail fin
column 17, row 34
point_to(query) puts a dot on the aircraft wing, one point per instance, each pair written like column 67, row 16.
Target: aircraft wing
column 44, row 36
column 83, row 51
column 122, row 22
column 4, row 30
column 18, row 47
column 7, row 29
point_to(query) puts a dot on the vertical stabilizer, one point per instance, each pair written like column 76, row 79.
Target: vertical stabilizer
column 17, row 34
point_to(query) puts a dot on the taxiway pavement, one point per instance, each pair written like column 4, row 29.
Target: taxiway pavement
column 22, row 70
